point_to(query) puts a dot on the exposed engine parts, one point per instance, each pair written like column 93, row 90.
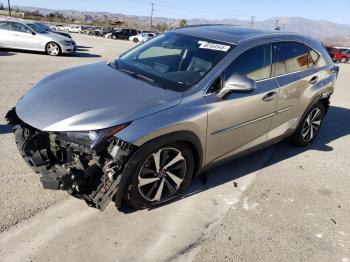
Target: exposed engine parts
column 90, row 174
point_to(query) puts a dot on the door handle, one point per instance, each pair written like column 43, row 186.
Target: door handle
column 269, row 96
column 313, row 80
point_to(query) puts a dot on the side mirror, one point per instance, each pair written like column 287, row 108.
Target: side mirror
column 237, row 83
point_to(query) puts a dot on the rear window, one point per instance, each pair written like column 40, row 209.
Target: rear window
column 292, row 57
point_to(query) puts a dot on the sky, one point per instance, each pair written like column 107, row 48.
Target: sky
column 336, row 11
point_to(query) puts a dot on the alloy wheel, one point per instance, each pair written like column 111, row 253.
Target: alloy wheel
column 161, row 175
column 312, row 124
column 53, row 49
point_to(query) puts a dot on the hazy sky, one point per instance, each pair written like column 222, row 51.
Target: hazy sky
column 336, row 11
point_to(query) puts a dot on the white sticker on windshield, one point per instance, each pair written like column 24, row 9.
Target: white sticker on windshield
column 213, row 46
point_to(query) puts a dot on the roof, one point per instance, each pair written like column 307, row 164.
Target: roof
column 226, row 33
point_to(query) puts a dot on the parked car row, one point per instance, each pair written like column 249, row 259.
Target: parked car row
column 341, row 55
column 108, row 32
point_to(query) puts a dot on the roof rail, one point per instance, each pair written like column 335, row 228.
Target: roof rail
column 203, row 25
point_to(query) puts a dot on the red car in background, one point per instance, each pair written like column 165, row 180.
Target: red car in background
column 337, row 55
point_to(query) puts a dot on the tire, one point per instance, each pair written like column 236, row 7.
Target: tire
column 53, row 49
column 114, row 37
column 343, row 60
column 147, row 187
column 135, row 40
column 309, row 126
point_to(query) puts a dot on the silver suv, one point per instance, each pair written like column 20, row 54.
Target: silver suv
column 137, row 129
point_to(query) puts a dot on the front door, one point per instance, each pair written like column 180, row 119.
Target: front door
column 24, row 37
column 6, row 35
column 241, row 121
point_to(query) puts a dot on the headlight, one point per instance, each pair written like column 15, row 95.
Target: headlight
column 65, row 42
column 90, row 138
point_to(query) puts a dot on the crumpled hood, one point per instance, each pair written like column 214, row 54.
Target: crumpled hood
column 91, row 97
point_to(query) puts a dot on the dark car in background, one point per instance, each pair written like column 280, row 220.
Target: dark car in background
column 123, row 33
column 101, row 31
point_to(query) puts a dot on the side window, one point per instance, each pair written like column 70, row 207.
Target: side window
column 314, row 56
column 4, row 25
column 254, row 63
column 20, row 28
column 292, row 57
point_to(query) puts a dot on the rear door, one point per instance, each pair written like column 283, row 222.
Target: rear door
column 241, row 121
column 6, row 35
column 298, row 78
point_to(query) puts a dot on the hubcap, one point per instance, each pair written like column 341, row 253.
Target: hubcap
column 161, row 175
column 312, row 125
column 53, row 49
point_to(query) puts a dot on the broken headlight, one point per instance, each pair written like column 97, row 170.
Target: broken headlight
column 90, row 138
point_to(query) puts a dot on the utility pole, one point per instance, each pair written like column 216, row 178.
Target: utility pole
column 276, row 27
column 252, row 20
column 152, row 10
column 8, row 1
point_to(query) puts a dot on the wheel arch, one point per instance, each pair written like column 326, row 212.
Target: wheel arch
column 179, row 136
column 324, row 100
column 59, row 46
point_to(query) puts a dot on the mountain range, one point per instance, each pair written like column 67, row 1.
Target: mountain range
column 315, row 28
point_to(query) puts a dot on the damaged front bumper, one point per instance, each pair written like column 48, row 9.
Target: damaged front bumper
column 90, row 174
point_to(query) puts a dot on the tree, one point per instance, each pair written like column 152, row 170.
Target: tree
column 182, row 23
column 1, row 6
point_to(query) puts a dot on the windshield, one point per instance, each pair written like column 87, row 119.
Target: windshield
column 173, row 60
column 36, row 28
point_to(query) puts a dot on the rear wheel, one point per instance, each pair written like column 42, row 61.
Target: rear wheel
column 53, row 49
column 114, row 37
column 343, row 60
column 136, row 40
column 309, row 126
column 162, row 174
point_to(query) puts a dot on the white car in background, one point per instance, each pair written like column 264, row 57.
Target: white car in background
column 75, row 29
column 142, row 37
column 30, row 36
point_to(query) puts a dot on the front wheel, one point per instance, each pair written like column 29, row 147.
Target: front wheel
column 53, row 49
column 160, row 175
column 136, row 40
column 343, row 60
column 309, row 126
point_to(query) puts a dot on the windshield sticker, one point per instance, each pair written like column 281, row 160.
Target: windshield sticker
column 213, row 46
